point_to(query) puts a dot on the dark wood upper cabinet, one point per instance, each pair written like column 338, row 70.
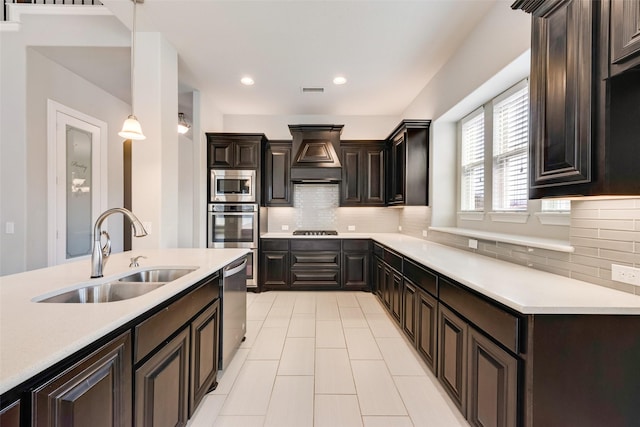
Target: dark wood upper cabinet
column 234, row 150
column 408, row 170
column 583, row 129
column 625, row 35
column 277, row 175
column 363, row 179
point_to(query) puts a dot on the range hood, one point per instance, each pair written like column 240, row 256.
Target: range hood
column 316, row 151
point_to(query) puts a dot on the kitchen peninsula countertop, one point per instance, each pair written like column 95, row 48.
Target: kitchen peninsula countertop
column 35, row 336
column 523, row 289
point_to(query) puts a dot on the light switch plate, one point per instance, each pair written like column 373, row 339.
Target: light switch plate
column 473, row 243
column 424, row 233
column 625, row 274
column 351, row 228
column 9, row 228
column 285, row 227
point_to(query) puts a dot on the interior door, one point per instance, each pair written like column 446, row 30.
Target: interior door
column 77, row 186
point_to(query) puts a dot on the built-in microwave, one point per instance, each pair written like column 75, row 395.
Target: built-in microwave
column 236, row 186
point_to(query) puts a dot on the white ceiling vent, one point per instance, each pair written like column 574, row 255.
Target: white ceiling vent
column 312, row 90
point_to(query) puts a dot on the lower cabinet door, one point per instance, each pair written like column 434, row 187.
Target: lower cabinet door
column 452, row 356
column 427, row 327
column 162, row 386
column 275, row 269
column 409, row 295
column 94, row 392
column 396, row 295
column 493, row 384
column 204, row 354
column 355, row 267
column 10, row 416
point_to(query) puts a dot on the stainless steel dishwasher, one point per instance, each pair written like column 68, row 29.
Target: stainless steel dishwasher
column 234, row 310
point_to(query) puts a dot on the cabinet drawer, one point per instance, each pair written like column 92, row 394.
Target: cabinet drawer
column 314, row 259
column 356, row 245
column 315, row 245
column 274, row 245
column 393, row 259
column 493, row 320
column 315, row 279
column 159, row 327
column 425, row 279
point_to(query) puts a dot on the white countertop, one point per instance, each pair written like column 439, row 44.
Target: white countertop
column 34, row 336
column 523, row 289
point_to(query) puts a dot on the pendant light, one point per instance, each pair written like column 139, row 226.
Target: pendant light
column 131, row 128
column 183, row 126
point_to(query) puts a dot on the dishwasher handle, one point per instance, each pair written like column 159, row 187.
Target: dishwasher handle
column 231, row 270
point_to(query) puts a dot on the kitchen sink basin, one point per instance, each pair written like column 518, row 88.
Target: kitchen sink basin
column 106, row 292
column 127, row 287
column 157, row 275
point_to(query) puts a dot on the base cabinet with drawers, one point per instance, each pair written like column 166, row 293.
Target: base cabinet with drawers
column 314, row 264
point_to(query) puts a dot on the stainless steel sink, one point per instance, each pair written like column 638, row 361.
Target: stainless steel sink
column 127, row 287
column 106, row 292
column 157, row 275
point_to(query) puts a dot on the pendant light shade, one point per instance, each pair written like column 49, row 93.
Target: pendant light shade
column 131, row 129
column 183, row 126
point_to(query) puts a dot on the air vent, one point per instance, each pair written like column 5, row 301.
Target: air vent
column 312, row 90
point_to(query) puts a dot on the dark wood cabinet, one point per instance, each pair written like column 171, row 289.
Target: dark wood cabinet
column 427, row 328
column 315, row 264
column 95, row 391
column 162, row 385
column 625, row 35
column 492, row 384
column 205, row 331
column 452, row 356
column 395, row 287
column 583, row 118
column 10, row 416
column 356, row 267
column 408, row 171
column 274, row 264
column 363, row 178
column 278, row 190
column 234, row 150
column 409, row 309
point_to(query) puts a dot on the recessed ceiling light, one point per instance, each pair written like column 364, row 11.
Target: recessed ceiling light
column 339, row 80
column 247, row 81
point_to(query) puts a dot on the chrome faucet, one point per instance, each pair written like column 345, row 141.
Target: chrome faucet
column 100, row 255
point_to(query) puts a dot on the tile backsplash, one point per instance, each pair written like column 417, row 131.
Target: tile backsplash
column 315, row 206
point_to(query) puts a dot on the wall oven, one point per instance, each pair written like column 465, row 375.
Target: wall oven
column 235, row 186
column 235, row 226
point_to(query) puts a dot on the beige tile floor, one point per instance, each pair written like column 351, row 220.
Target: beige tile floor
column 333, row 359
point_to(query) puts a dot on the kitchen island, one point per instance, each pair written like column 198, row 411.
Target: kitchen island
column 511, row 346
column 34, row 337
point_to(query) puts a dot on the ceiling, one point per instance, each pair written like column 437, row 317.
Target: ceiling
column 387, row 50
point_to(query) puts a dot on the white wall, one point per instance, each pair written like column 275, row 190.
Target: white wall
column 489, row 61
column 20, row 177
column 276, row 127
column 48, row 80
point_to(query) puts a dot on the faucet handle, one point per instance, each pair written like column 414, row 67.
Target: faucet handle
column 106, row 249
column 134, row 260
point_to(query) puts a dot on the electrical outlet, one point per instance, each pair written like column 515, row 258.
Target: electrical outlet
column 351, row 228
column 473, row 243
column 9, row 228
column 285, row 227
column 399, row 228
column 424, row 233
column 624, row 274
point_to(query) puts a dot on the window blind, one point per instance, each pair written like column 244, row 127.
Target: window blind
column 472, row 162
column 510, row 150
